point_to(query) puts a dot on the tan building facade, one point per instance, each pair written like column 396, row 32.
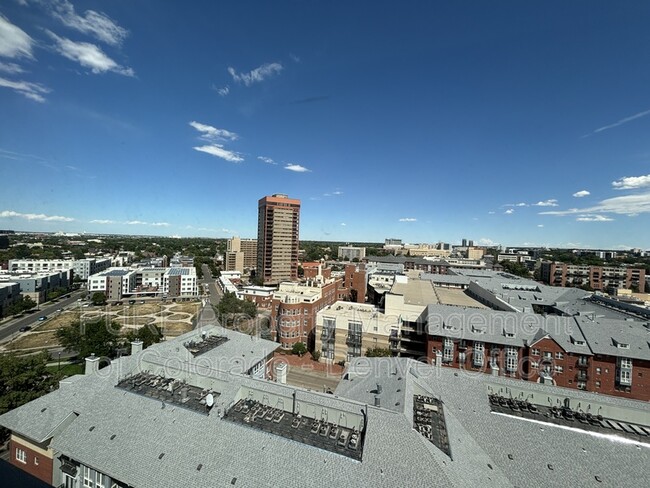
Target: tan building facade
column 278, row 239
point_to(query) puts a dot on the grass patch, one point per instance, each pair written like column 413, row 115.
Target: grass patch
column 56, row 323
column 67, row 369
column 192, row 307
column 178, row 317
column 134, row 321
column 173, row 329
column 34, row 340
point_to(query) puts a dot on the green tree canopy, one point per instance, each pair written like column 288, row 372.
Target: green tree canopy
column 376, row 352
column 299, row 348
column 149, row 334
column 99, row 298
column 100, row 337
column 229, row 306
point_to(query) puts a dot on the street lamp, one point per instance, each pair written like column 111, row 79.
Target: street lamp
column 59, row 360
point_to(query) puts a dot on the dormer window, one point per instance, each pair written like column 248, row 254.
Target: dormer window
column 621, row 345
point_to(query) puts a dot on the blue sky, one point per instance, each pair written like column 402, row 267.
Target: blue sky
column 520, row 123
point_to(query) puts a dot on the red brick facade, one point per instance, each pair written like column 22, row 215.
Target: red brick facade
column 296, row 322
column 35, row 463
column 594, row 277
column 585, row 372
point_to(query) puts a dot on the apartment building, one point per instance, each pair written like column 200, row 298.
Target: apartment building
column 294, row 308
column 175, row 282
column 9, row 294
column 240, row 254
column 82, row 268
column 599, row 278
column 349, row 253
column 37, row 285
column 278, row 238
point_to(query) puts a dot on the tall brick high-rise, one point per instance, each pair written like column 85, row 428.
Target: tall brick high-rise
column 277, row 239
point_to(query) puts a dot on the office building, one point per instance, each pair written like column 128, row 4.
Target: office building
column 278, row 239
column 241, row 254
column 350, row 252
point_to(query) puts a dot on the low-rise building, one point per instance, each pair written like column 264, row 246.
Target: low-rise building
column 9, row 294
column 349, row 253
column 83, row 268
column 37, row 285
column 599, row 278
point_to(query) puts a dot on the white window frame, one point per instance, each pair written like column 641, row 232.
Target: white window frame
column 534, row 352
column 559, row 355
column 88, row 481
column 626, row 363
column 21, row 455
column 559, row 369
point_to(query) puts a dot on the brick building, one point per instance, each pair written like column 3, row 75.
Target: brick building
column 294, row 308
column 599, row 278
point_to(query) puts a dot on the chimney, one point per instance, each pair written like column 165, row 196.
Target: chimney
column 377, row 401
column 136, row 346
column 92, row 364
column 378, row 388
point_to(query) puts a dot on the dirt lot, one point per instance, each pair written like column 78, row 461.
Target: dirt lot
column 173, row 318
column 34, row 340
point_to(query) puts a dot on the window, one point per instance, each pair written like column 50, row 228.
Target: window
column 559, row 355
column 625, row 378
column 535, row 352
column 597, row 384
column 36, row 460
column 87, row 477
column 598, row 370
column 511, row 363
column 449, row 343
column 559, row 369
column 100, row 480
column 534, row 365
column 448, row 355
column 21, row 455
column 626, row 363
column 582, row 385
column 548, row 355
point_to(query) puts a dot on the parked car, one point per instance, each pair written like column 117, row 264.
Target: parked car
column 42, row 318
column 25, row 328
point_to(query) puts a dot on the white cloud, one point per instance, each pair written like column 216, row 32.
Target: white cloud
column 408, row 219
column 14, row 42
column 484, row 241
column 223, row 91
column 540, row 225
column 96, row 24
column 552, row 202
column 33, row 91
column 297, row 168
column 491, row 212
column 294, row 58
column 266, row 160
column 631, row 182
column 257, row 75
column 153, row 224
column 581, row 193
column 210, row 133
column 11, row 68
column 622, row 121
column 103, row 221
column 30, row 216
column 630, row 205
column 218, row 151
column 509, row 211
column 593, row 218
column 521, row 204
column 88, row 55
column 343, row 224
column 337, row 192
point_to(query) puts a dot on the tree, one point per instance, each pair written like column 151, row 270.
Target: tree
column 100, row 337
column 316, row 355
column 376, row 352
column 99, row 298
column 516, row 269
column 231, row 306
column 299, row 348
column 149, row 334
column 20, row 306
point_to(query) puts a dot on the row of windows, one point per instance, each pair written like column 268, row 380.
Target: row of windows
column 290, row 335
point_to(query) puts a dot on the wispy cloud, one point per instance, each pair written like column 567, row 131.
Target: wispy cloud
column 593, row 218
column 484, row 241
column 257, row 75
column 297, row 168
column 620, row 122
column 343, row 224
column 294, row 58
column 33, row 91
column 219, row 151
column 624, row 205
column 520, row 204
column 266, row 160
column 14, row 42
column 491, row 212
column 540, row 225
column 6, row 214
column 96, row 24
column 11, row 68
column 88, row 55
column 337, row 192
column 129, row 222
column 210, row 133
column 552, row 202
column 509, row 211
column 581, row 193
column 408, row 219
column 222, row 91
column 631, row 182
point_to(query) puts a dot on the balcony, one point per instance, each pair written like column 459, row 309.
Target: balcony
column 353, row 340
column 582, row 376
column 582, row 363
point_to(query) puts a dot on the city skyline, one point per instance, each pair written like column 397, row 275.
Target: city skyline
column 508, row 123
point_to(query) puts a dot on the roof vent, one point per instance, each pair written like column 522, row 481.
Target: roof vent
column 198, row 468
column 161, row 455
column 377, row 401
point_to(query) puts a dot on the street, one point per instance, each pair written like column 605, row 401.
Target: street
column 47, row 309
